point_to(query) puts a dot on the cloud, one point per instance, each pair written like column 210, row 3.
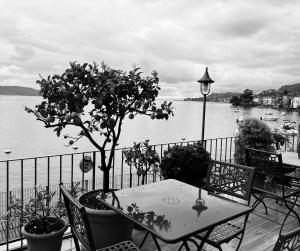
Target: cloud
column 246, row 44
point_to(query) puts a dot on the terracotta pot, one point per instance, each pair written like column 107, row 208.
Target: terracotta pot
column 45, row 242
column 108, row 227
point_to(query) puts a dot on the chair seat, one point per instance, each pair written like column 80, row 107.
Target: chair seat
column 122, row 246
column 276, row 190
column 223, row 233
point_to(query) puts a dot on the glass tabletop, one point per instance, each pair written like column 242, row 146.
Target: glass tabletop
column 173, row 210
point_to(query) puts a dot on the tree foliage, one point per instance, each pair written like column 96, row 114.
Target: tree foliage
column 253, row 133
column 235, row 100
column 97, row 100
column 244, row 99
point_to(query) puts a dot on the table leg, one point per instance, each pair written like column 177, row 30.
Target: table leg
column 291, row 209
column 143, row 241
column 156, row 242
column 204, row 239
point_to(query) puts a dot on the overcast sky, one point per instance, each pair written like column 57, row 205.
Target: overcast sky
column 245, row 44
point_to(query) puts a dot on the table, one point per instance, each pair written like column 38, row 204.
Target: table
column 291, row 159
column 166, row 209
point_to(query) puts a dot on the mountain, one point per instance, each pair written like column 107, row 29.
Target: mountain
column 291, row 89
column 18, row 90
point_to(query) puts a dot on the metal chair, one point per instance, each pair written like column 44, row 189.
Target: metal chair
column 80, row 227
column 269, row 164
column 288, row 241
column 233, row 181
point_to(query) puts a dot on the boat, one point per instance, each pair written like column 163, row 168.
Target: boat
column 269, row 118
column 283, row 114
column 237, row 110
column 268, row 113
column 288, row 128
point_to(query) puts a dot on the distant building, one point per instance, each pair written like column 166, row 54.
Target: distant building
column 287, row 101
column 256, row 101
column 296, row 102
column 267, row 101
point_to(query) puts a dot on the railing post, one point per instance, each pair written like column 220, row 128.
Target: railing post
column 94, row 171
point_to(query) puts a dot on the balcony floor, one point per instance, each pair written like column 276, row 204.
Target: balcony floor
column 261, row 232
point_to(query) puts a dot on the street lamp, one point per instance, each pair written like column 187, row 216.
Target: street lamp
column 205, row 83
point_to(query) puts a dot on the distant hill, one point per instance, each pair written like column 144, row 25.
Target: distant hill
column 216, row 97
column 18, row 90
column 291, row 89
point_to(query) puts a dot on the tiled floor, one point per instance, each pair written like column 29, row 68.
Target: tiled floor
column 261, row 232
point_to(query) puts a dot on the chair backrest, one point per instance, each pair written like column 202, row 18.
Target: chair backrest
column 232, row 179
column 264, row 162
column 78, row 220
column 288, row 241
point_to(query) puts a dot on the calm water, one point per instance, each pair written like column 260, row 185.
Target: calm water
column 26, row 137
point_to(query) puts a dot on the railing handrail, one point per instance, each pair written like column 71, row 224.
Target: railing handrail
column 97, row 151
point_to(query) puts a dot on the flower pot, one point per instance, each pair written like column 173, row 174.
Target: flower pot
column 45, row 242
column 107, row 226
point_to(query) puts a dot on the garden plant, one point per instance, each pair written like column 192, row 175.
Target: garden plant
column 143, row 157
column 188, row 164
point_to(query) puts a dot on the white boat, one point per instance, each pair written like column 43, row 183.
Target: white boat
column 269, row 118
column 283, row 114
column 268, row 113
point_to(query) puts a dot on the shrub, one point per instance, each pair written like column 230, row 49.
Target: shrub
column 253, row 133
column 188, row 164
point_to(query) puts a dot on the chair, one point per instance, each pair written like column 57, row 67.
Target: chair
column 288, row 241
column 233, row 181
column 80, row 227
column 269, row 164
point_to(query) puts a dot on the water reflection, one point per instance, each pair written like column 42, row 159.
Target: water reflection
column 149, row 218
column 199, row 204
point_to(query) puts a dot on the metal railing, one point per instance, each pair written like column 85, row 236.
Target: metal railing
column 19, row 177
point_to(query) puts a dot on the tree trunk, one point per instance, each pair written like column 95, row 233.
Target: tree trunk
column 106, row 180
column 143, row 179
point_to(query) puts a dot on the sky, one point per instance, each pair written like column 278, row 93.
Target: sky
column 245, row 44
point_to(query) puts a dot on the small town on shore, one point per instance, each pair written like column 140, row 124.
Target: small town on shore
column 286, row 97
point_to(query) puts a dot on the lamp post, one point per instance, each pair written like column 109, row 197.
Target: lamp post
column 205, row 83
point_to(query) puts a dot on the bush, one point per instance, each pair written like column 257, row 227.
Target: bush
column 188, row 164
column 253, row 133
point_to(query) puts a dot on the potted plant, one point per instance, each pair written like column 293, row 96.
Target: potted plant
column 97, row 100
column 143, row 157
column 188, row 164
column 42, row 224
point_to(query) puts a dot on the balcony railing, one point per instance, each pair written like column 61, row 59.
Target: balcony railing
column 19, row 177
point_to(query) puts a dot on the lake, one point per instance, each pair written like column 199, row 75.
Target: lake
column 26, row 137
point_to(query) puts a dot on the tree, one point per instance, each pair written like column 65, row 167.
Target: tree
column 235, row 100
column 253, row 133
column 247, row 97
column 97, row 100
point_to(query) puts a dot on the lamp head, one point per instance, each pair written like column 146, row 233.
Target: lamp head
column 205, row 83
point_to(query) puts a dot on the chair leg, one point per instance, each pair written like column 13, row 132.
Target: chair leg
column 259, row 200
column 75, row 241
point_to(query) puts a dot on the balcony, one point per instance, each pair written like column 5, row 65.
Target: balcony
column 20, row 176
